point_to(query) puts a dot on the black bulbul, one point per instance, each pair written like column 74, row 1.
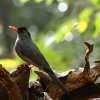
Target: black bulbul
column 30, row 53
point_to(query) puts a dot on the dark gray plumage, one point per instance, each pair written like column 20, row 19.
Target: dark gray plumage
column 29, row 52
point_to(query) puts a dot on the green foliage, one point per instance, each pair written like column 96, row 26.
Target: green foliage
column 9, row 63
column 59, row 35
column 86, row 13
column 84, row 19
column 97, row 26
column 96, row 3
column 64, row 30
column 48, row 2
column 24, row 1
column 89, row 21
column 38, row 1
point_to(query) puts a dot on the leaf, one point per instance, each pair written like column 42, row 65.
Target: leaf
column 86, row 13
column 83, row 24
column 97, row 25
column 59, row 0
column 9, row 63
column 96, row 3
column 48, row 2
column 39, row 1
column 24, row 1
column 64, row 30
column 61, row 33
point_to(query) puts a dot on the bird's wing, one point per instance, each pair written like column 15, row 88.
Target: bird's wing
column 31, row 54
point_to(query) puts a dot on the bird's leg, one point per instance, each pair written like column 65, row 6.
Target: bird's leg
column 30, row 67
column 23, row 64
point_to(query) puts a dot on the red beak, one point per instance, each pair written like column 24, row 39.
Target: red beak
column 13, row 28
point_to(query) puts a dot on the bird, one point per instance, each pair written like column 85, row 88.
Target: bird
column 30, row 53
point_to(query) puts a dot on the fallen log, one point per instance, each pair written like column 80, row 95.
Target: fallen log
column 82, row 83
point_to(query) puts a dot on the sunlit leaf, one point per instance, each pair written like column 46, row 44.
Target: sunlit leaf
column 85, row 14
column 83, row 24
column 48, row 2
column 38, row 1
column 59, row 0
column 97, row 20
column 24, row 1
column 96, row 33
column 96, row 3
column 9, row 63
column 63, row 31
column 97, row 25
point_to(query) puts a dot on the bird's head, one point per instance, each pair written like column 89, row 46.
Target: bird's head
column 22, row 31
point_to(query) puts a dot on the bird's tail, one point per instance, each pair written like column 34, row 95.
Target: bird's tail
column 56, row 80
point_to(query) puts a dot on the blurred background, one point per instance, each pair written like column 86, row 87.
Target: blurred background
column 58, row 27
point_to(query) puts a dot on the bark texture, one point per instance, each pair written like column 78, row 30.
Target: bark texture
column 82, row 83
